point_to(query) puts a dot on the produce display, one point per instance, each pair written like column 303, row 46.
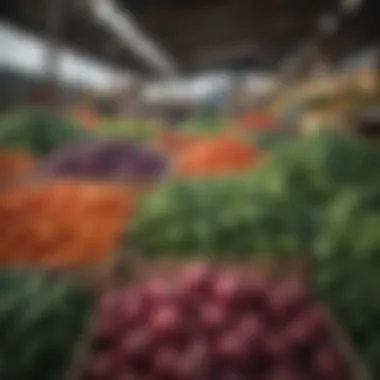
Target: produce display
column 38, row 131
column 86, row 116
column 256, row 121
column 15, row 165
column 215, row 156
column 235, row 196
column 318, row 195
column 347, row 274
column 41, row 320
column 173, row 142
column 135, row 130
column 115, row 160
column 269, row 141
column 61, row 223
column 207, row 324
column 225, row 218
column 202, row 125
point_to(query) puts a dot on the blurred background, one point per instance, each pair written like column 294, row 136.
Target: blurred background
column 138, row 135
column 168, row 61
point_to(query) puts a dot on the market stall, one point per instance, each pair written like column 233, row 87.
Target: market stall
column 195, row 248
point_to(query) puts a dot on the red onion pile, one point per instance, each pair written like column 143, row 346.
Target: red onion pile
column 212, row 325
column 116, row 160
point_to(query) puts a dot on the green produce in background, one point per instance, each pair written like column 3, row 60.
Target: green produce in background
column 319, row 194
column 348, row 267
column 136, row 130
column 226, row 218
column 38, row 131
column 276, row 208
column 270, row 140
column 340, row 178
column 41, row 320
column 201, row 125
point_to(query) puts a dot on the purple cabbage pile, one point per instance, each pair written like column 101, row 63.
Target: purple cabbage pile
column 116, row 160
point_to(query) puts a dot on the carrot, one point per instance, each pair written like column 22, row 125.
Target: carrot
column 221, row 155
column 173, row 142
column 62, row 223
column 257, row 121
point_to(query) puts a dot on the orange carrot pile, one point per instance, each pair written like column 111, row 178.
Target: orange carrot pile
column 14, row 165
column 86, row 117
column 220, row 155
column 173, row 142
column 61, row 223
column 258, row 121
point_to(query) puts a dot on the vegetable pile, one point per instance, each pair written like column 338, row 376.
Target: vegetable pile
column 269, row 141
column 86, row 117
column 213, row 325
column 218, row 155
column 41, row 320
column 257, row 121
column 117, row 160
column 135, row 130
column 320, row 195
column 279, row 207
column 201, row 125
column 227, row 218
column 61, row 223
column 347, row 273
column 15, row 165
column 38, row 131
column 173, row 142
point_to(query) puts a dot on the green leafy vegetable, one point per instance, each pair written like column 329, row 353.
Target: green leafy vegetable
column 41, row 319
column 38, row 131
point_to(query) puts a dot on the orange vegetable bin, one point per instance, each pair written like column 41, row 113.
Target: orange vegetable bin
column 64, row 225
column 15, row 166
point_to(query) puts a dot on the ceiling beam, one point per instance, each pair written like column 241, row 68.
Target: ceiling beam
column 127, row 30
column 200, row 34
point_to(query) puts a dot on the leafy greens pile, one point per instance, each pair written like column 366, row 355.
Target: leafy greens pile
column 38, row 131
column 279, row 207
column 41, row 320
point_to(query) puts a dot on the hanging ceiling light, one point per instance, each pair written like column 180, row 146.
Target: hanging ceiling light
column 350, row 6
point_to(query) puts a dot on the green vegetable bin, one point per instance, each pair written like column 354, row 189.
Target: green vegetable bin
column 46, row 317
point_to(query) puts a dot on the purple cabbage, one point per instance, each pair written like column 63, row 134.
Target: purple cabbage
column 116, row 160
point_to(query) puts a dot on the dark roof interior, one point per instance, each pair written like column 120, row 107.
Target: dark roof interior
column 230, row 33
column 358, row 30
column 221, row 34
